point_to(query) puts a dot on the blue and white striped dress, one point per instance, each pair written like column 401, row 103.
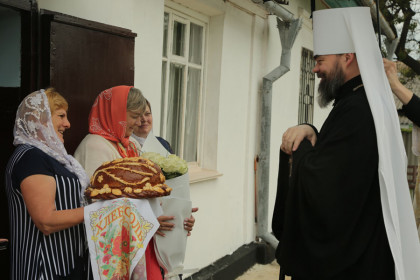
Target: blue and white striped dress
column 60, row 255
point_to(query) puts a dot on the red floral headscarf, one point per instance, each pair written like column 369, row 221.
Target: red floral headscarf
column 108, row 118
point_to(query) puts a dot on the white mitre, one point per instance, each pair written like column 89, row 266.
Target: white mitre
column 350, row 30
column 331, row 32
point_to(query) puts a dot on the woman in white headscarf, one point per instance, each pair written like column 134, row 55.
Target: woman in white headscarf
column 43, row 185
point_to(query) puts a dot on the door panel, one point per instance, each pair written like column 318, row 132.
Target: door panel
column 23, row 5
column 83, row 59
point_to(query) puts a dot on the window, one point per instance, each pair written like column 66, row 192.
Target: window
column 307, row 84
column 182, row 83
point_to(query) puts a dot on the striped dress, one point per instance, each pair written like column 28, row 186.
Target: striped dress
column 60, row 255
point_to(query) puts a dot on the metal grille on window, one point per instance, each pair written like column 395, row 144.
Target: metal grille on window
column 307, row 84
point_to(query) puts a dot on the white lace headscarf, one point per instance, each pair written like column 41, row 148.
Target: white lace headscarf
column 34, row 126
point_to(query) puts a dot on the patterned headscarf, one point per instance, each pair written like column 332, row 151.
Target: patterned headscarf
column 34, row 126
column 108, row 118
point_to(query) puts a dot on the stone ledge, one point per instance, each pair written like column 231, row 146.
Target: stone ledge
column 234, row 265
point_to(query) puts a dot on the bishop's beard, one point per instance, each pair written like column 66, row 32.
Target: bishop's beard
column 329, row 85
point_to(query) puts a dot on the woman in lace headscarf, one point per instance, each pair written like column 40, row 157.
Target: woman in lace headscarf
column 114, row 114
column 43, row 185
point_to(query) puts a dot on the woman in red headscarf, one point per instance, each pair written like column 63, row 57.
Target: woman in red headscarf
column 114, row 114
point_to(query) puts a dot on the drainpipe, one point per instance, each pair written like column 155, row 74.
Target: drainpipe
column 391, row 46
column 275, row 9
column 392, row 41
column 288, row 29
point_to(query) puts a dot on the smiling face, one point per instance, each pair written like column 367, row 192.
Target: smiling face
column 146, row 124
column 133, row 120
column 325, row 65
column 60, row 122
column 329, row 69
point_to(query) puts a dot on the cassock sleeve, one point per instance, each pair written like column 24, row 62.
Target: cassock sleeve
column 282, row 189
column 412, row 110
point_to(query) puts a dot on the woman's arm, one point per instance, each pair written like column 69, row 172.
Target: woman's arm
column 189, row 222
column 164, row 224
column 403, row 93
column 38, row 192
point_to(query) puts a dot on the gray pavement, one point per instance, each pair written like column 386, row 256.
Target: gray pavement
column 262, row 272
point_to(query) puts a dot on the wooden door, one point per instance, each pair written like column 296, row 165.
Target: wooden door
column 80, row 59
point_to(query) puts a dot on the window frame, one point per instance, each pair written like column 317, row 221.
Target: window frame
column 307, row 79
column 186, row 17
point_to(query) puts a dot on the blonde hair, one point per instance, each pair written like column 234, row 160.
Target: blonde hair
column 55, row 100
column 136, row 100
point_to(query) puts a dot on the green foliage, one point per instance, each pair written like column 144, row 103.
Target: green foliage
column 403, row 19
column 408, row 73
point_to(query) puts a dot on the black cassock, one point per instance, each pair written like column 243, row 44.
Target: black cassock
column 411, row 110
column 328, row 214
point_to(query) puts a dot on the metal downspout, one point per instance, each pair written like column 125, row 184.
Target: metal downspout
column 276, row 9
column 391, row 46
column 392, row 41
column 288, row 32
column 385, row 29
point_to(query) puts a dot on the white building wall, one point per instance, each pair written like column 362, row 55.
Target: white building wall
column 225, row 220
column 244, row 46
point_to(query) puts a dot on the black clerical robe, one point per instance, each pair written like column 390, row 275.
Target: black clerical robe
column 328, row 214
column 412, row 110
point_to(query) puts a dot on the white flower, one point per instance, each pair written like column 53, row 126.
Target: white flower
column 173, row 163
column 172, row 166
column 155, row 157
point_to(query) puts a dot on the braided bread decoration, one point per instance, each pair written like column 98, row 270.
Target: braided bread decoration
column 134, row 177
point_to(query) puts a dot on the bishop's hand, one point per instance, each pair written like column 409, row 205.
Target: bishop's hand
column 294, row 135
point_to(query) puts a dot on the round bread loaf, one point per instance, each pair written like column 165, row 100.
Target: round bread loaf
column 134, row 177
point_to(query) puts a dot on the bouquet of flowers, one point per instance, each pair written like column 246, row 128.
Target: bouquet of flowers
column 172, row 166
column 170, row 249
